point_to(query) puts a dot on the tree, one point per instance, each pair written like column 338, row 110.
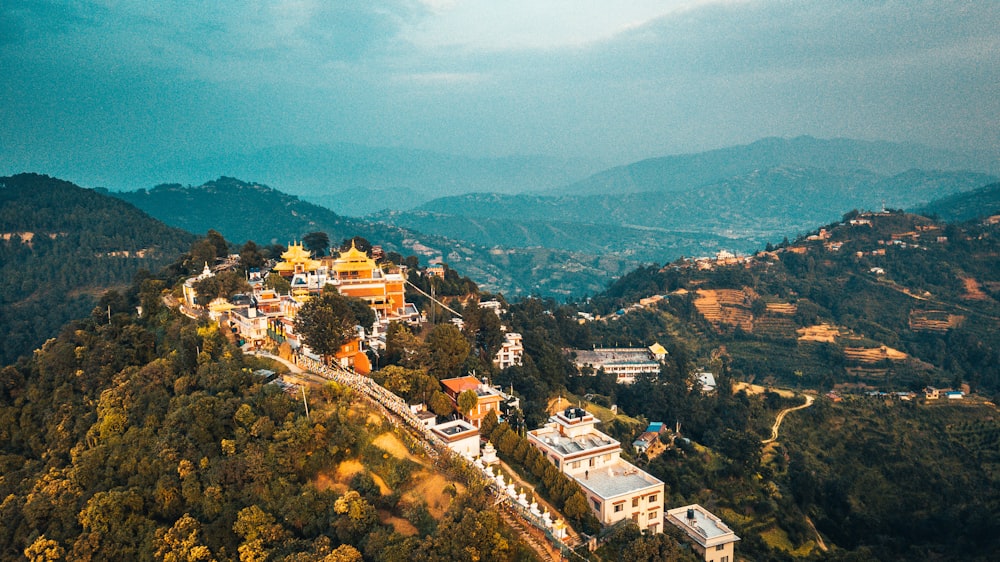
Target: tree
column 43, row 550
column 448, row 350
column 221, row 246
column 251, row 256
column 182, row 542
column 440, row 404
column 467, row 400
column 359, row 242
column 326, row 322
column 278, row 283
column 316, row 242
column 403, row 348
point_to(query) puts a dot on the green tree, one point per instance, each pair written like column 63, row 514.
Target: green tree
column 278, row 283
column 326, row 322
column 403, row 348
column 448, row 350
column 467, row 400
column 440, row 404
column 317, row 242
column 251, row 256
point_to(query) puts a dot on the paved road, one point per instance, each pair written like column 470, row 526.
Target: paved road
column 781, row 417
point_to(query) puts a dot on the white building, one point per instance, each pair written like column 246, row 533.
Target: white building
column 511, row 352
column 625, row 363
column 615, row 489
column 461, row 437
column 712, row 538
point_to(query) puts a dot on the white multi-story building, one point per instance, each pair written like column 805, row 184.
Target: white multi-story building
column 625, row 363
column 712, row 539
column 615, row 489
column 511, row 352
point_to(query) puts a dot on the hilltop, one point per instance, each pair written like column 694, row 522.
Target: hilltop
column 893, row 300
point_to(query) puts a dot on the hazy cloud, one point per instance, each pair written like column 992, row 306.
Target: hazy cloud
column 127, row 82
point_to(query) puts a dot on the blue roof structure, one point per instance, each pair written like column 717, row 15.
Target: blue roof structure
column 655, row 427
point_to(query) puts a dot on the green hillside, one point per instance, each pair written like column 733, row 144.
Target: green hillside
column 247, row 211
column 62, row 247
column 154, row 439
column 981, row 202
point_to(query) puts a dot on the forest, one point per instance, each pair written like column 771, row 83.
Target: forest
column 61, row 247
column 154, row 438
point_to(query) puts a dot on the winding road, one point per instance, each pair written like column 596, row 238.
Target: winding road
column 781, row 416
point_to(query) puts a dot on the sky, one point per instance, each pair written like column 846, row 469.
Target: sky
column 125, row 84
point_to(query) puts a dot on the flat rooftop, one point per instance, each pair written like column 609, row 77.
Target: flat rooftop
column 619, row 479
column 454, row 429
column 613, row 356
column 702, row 526
column 569, row 446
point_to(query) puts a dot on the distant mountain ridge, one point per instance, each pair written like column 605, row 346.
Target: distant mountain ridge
column 319, row 171
column 741, row 213
column 249, row 211
column 687, row 171
column 969, row 205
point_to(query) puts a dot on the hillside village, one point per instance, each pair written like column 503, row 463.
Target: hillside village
column 616, row 490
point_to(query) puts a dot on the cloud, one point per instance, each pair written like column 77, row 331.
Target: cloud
column 117, row 80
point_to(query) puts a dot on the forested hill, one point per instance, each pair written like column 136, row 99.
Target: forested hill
column 249, row 211
column 61, row 247
column 965, row 206
column 155, row 438
column 892, row 300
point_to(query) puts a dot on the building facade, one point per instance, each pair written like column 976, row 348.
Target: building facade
column 711, row 538
column 616, row 489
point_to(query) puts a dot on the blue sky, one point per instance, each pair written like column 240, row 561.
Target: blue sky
column 131, row 83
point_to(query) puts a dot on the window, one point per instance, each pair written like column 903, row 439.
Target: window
column 720, row 546
column 724, row 559
column 635, row 502
column 597, row 505
column 619, row 507
column 652, row 498
column 653, row 514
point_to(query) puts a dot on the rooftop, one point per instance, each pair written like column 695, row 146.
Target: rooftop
column 613, row 356
column 455, row 429
column 616, row 480
column 701, row 525
column 566, row 446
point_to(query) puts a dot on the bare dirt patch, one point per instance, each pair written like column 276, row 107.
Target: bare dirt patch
column 429, row 488
column 820, row 332
column 758, row 389
column 973, row 291
column 345, row 471
column 391, row 444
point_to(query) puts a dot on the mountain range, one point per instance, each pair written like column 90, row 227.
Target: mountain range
column 249, row 211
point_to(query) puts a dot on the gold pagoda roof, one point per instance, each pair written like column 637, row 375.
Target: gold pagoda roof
column 296, row 254
column 353, row 260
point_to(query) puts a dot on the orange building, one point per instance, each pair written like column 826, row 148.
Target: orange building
column 489, row 398
column 354, row 274
column 350, row 356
